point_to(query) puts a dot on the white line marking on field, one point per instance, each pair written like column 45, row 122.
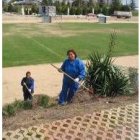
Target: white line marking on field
column 42, row 45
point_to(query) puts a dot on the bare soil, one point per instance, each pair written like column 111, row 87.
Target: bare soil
column 83, row 103
column 13, row 18
column 47, row 80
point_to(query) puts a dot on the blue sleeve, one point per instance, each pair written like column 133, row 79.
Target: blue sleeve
column 32, row 86
column 63, row 66
column 82, row 72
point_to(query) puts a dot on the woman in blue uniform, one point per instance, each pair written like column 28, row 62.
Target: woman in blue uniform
column 74, row 67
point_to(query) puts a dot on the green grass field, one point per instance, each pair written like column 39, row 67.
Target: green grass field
column 25, row 44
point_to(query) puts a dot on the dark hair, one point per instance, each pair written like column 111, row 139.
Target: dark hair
column 73, row 51
column 28, row 72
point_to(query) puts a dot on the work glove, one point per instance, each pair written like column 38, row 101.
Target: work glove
column 76, row 80
column 60, row 70
column 29, row 90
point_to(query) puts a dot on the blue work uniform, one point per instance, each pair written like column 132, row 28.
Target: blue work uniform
column 75, row 69
column 30, row 85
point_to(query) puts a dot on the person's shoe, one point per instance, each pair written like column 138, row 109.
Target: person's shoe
column 62, row 104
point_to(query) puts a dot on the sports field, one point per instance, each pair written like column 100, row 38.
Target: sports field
column 25, row 44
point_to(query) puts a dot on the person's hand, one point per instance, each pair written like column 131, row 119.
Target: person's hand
column 24, row 84
column 29, row 90
column 60, row 70
column 76, row 80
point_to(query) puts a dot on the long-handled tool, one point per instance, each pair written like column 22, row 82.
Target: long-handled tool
column 27, row 88
column 81, row 84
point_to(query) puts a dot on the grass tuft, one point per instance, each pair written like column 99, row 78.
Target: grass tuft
column 44, row 101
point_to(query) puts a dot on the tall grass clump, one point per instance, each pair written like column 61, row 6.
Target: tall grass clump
column 44, row 101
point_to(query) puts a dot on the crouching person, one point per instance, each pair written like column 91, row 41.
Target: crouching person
column 28, row 86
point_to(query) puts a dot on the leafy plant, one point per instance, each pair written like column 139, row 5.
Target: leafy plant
column 133, row 78
column 105, row 78
column 135, row 13
column 118, row 83
column 27, row 105
column 44, row 101
column 8, row 110
column 18, row 104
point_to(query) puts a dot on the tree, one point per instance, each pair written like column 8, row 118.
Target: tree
column 45, row 2
column 4, row 6
column 11, row 1
column 77, row 3
column 50, row 2
column 34, row 8
column 64, row 9
column 105, row 9
column 72, row 10
column 58, row 9
column 90, row 3
column 85, row 10
column 132, row 4
column 78, row 11
column 116, row 5
column 10, row 8
column 97, row 9
column 125, row 8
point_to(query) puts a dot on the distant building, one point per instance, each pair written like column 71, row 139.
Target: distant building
column 104, row 1
column 70, row 1
column 27, row 3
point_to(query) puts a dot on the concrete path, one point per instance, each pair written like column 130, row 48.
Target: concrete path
column 116, row 124
column 13, row 18
column 47, row 80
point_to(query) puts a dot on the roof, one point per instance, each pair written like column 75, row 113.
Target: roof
column 27, row 2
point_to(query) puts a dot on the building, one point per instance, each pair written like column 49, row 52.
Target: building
column 104, row 1
column 27, row 3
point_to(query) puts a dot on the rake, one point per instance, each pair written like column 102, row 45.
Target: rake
column 80, row 83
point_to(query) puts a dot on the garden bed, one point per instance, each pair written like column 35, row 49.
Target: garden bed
column 82, row 104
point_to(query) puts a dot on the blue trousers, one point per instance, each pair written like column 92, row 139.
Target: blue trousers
column 68, row 91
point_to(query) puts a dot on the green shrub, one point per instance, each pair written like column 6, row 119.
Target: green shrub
column 8, row 110
column 135, row 13
column 72, row 11
column 133, row 78
column 105, row 78
column 27, row 105
column 18, row 104
column 44, row 101
column 118, row 83
column 125, row 8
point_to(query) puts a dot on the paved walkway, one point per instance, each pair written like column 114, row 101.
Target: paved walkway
column 115, row 124
column 13, row 18
column 47, row 80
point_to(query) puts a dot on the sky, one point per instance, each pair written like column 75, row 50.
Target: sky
column 128, row 1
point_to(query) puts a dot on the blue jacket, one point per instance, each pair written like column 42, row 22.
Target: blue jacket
column 76, row 69
column 29, row 82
